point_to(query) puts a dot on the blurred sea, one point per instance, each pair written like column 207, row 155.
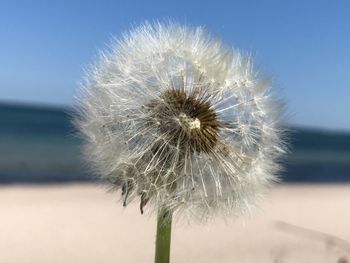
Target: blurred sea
column 38, row 144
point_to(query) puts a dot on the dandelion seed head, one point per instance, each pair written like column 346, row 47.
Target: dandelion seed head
column 175, row 118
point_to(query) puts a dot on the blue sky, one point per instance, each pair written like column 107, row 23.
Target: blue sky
column 303, row 45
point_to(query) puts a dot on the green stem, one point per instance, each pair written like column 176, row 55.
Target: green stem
column 163, row 236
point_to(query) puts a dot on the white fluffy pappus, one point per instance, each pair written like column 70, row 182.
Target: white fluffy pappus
column 174, row 117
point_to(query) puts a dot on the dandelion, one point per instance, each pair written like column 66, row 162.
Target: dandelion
column 175, row 118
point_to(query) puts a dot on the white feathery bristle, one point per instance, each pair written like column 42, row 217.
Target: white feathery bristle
column 174, row 117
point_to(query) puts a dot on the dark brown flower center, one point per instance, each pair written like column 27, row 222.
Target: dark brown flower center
column 187, row 121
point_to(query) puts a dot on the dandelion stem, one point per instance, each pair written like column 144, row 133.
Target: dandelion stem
column 163, row 236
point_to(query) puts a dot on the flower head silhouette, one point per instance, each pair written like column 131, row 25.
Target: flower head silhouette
column 174, row 117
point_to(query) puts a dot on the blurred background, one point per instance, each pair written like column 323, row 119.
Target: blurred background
column 45, row 46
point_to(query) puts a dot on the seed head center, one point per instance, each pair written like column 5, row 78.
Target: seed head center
column 187, row 119
column 189, row 123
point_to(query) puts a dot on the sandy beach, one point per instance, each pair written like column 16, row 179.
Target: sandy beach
column 83, row 223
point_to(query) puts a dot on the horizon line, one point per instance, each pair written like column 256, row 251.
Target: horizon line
column 70, row 108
